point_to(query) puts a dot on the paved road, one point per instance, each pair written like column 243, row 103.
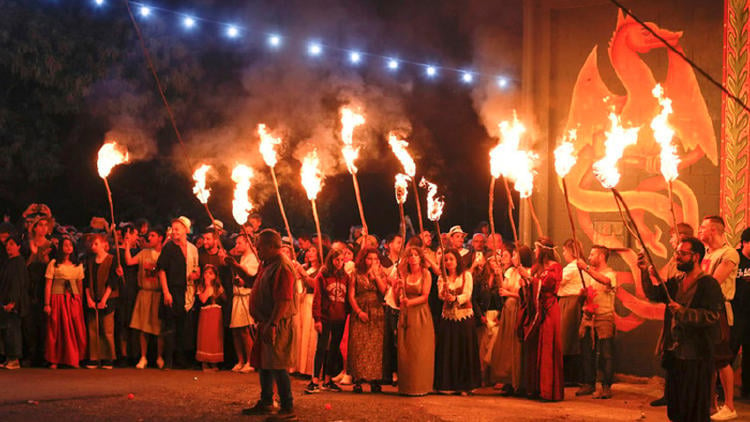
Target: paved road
column 41, row 394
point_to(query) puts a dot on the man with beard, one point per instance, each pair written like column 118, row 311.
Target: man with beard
column 695, row 302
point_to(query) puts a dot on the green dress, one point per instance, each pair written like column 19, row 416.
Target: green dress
column 416, row 344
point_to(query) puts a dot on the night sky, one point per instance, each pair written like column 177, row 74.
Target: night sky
column 73, row 75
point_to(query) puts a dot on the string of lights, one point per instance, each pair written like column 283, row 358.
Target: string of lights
column 314, row 48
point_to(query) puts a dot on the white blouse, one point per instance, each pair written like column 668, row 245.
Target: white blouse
column 461, row 308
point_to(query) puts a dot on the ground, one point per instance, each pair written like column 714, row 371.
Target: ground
column 151, row 394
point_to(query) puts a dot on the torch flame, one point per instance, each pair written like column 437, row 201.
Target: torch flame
column 200, row 190
column 312, row 179
column 565, row 157
column 618, row 138
column 508, row 160
column 110, row 155
column 268, row 145
column 434, row 205
column 663, row 133
column 349, row 121
column 399, row 148
column 401, row 186
column 241, row 205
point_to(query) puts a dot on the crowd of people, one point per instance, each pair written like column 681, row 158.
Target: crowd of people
column 429, row 315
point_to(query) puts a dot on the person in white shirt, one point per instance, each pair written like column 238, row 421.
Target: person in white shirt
column 598, row 325
column 721, row 261
column 569, row 296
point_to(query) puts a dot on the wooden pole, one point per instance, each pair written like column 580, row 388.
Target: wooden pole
column 442, row 248
column 577, row 251
column 359, row 203
column 283, row 213
column 317, row 227
column 492, row 215
column 671, row 208
column 419, row 205
column 114, row 225
column 510, row 210
column 534, row 217
column 619, row 198
column 402, row 277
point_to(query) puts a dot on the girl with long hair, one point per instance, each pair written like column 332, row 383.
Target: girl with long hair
column 543, row 344
column 505, row 365
column 457, row 366
column 416, row 334
column 66, row 332
column 210, row 339
column 366, row 325
column 329, row 312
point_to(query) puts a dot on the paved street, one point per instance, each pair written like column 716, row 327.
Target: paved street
column 40, row 394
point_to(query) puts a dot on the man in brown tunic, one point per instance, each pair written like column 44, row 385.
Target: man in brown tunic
column 272, row 306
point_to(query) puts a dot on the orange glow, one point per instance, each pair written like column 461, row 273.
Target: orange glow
column 402, row 187
column 267, row 145
column 312, row 178
column 110, row 155
column 508, row 160
column 663, row 133
column 200, row 190
column 565, row 157
column 349, row 121
column 241, row 205
column 618, row 138
column 399, row 149
column 434, row 205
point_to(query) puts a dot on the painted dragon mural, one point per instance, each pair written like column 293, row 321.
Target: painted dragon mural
column 643, row 186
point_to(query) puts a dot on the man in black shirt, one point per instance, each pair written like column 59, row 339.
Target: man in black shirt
column 177, row 256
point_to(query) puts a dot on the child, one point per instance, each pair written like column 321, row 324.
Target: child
column 101, row 297
column 210, row 342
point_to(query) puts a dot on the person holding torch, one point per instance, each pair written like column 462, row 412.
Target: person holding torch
column 691, row 325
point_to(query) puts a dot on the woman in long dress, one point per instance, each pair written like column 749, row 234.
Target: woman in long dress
column 416, row 334
column 66, row 331
column 210, row 338
column 506, row 354
column 366, row 324
column 240, row 322
column 543, row 343
column 457, row 367
column 308, row 338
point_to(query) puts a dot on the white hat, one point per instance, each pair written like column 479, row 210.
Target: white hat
column 184, row 221
column 216, row 225
column 456, row 229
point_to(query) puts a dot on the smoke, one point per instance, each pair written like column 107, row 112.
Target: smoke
column 138, row 141
column 300, row 102
column 497, row 46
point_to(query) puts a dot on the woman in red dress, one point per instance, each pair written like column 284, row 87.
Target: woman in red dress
column 66, row 332
column 541, row 326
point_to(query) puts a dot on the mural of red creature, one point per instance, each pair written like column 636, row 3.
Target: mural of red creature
column 644, row 188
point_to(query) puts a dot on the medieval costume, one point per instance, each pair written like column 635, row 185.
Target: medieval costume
column 688, row 343
column 457, row 365
column 416, row 343
column 543, row 359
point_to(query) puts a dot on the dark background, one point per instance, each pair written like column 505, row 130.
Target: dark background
column 73, row 74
